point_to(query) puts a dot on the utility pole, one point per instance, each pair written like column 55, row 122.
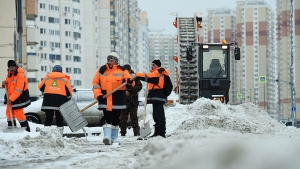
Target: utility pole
column 18, row 4
column 292, row 84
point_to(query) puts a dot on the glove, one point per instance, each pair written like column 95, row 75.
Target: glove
column 129, row 81
column 100, row 98
column 128, row 87
column 160, row 70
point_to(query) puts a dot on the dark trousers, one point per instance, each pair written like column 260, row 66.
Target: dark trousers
column 159, row 118
column 49, row 118
column 133, row 117
column 112, row 117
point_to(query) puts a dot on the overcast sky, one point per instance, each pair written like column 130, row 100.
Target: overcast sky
column 159, row 10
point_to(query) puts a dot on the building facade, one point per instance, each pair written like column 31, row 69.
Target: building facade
column 254, row 34
column 288, row 48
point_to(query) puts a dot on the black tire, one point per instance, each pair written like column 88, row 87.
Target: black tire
column 33, row 118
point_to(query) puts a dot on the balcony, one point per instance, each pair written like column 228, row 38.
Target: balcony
column 32, row 36
column 32, row 9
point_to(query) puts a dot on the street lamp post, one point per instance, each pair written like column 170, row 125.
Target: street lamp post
column 293, row 101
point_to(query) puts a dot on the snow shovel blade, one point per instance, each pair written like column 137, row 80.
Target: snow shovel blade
column 14, row 130
column 145, row 130
column 72, row 115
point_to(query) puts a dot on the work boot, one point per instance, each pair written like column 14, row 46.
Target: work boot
column 155, row 131
column 107, row 134
column 162, row 131
column 9, row 124
column 136, row 133
column 123, row 132
column 25, row 124
column 114, row 135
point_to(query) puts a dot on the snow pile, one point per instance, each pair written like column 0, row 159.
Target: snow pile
column 215, row 149
column 244, row 118
column 48, row 143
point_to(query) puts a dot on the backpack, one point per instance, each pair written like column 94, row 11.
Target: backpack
column 168, row 86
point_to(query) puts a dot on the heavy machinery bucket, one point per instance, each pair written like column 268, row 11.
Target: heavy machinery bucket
column 73, row 116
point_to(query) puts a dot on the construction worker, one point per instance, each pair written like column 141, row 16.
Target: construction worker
column 106, row 79
column 156, row 97
column 18, row 95
column 132, row 104
column 57, row 91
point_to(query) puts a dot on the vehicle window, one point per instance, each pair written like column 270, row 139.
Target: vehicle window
column 83, row 96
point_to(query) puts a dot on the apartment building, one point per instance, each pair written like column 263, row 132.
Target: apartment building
column 163, row 46
column 288, row 48
column 254, row 35
column 8, row 27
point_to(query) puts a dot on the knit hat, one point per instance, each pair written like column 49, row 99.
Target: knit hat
column 114, row 56
column 57, row 68
column 11, row 63
column 127, row 67
column 157, row 62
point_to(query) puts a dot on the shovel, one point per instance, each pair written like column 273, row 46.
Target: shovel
column 145, row 129
column 14, row 129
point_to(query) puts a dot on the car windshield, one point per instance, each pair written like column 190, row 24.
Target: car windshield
column 82, row 96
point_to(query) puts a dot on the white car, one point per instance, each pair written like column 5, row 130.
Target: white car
column 82, row 97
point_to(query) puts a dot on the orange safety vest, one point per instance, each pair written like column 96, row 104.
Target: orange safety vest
column 17, row 89
column 55, row 83
column 105, row 81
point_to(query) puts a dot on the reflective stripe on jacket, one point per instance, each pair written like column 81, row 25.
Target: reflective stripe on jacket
column 106, row 80
column 57, row 90
column 17, row 89
column 155, row 84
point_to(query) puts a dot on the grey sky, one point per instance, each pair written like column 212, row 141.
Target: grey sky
column 158, row 10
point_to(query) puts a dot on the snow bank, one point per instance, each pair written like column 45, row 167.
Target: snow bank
column 244, row 118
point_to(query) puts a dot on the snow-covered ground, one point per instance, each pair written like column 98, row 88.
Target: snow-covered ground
column 205, row 134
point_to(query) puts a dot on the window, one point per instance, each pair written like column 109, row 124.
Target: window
column 43, row 18
column 53, row 20
column 68, row 45
column 68, row 33
column 77, row 46
column 44, row 68
column 76, row 23
column 42, row 31
column 77, row 82
column 43, row 43
column 53, row 8
column 77, row 59
column 77, row 71
column 68, row 70
column 76, row 35
column 67, row 21
column 67, row 9
column 43, row 56
column 54, row 45
column 77, row 11
column 32, row 80
column 42, row 6
column 54, row 57
column 76, row 1
column 68, row 57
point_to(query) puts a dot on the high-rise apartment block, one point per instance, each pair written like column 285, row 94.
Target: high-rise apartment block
column 288, row 49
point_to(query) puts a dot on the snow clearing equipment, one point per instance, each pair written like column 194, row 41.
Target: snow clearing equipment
column 145, row 129
column 73, row 116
